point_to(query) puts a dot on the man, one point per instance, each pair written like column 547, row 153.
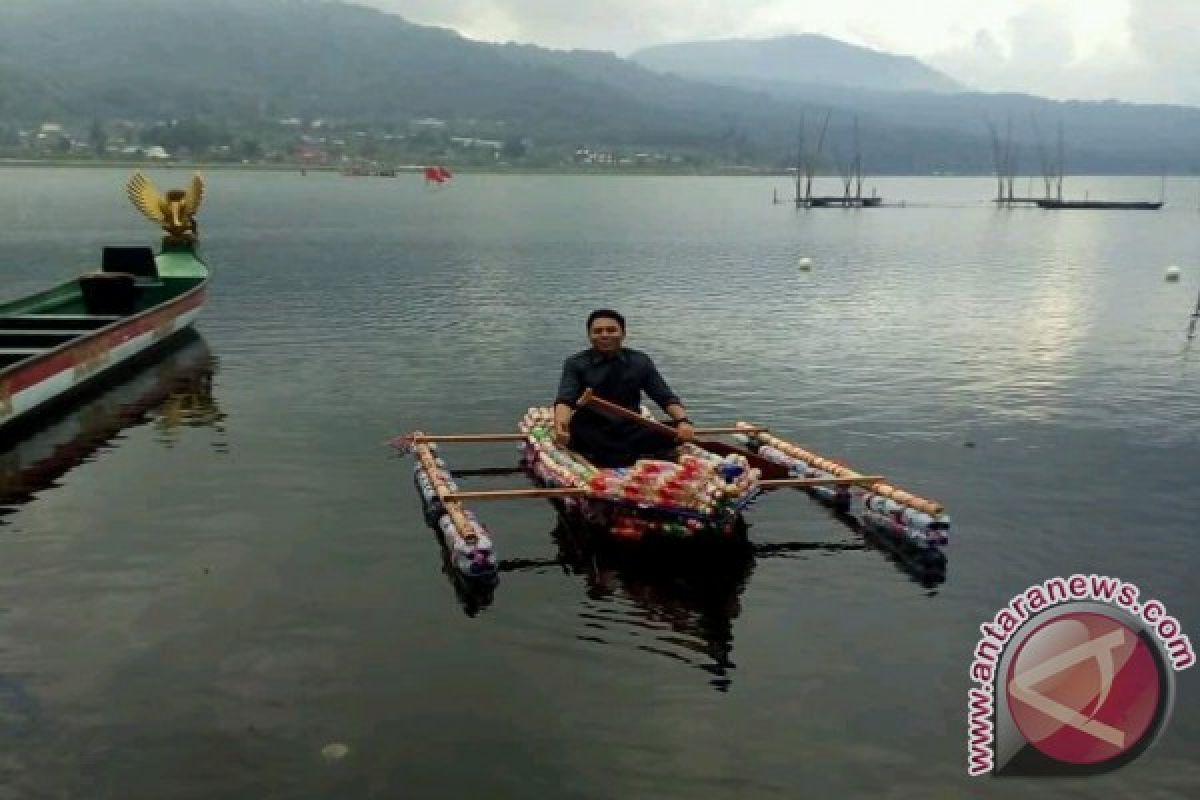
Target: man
column 618, row 374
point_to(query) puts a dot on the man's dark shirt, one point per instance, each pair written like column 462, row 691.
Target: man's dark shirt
column 619, row 378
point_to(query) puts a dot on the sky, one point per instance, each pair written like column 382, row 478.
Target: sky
column 1135, row 50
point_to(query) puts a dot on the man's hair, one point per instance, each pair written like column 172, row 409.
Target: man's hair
column 606, row 313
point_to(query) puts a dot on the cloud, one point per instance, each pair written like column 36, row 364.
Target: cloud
column 626, row 25
column 1031, row 52
column 1137, row 50
column 1165, row 36
column 1146, row 54
column 619, row 25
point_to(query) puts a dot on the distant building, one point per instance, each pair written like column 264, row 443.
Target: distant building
column 311, row 154
column 156, row 152
column 471, row 143
column 51, row 137
column 584, row 155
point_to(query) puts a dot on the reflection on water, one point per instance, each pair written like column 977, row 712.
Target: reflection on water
column 672, row 600
column 1024, row 368
column 680, row 606
column 173, row 391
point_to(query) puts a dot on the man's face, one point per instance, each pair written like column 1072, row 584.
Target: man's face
column 606, row 335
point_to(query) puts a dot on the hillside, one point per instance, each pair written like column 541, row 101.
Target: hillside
column 242, row 65
column 806, row 58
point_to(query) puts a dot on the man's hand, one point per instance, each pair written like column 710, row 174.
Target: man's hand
column 562, row 434
column 685, row 431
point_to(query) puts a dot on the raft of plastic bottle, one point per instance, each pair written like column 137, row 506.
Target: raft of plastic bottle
column 470, row 551
column 902, row 517
column 701, row 492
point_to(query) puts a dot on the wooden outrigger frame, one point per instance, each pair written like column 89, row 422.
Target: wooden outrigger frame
column 903, row 517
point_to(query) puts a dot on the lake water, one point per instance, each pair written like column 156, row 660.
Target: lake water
column 236, row 578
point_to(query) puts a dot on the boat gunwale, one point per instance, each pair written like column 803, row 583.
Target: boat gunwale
column 94, row 333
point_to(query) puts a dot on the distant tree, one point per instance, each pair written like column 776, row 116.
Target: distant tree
column 97, row 138
column 249, row 149
column 428, row 140
column 514, row 148
column 190, row 134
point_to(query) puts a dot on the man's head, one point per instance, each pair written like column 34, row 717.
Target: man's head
column 606, row 330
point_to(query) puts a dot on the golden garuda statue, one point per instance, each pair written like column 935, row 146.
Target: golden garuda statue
column 176, row 212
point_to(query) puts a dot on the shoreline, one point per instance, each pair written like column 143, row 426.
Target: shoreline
column 414, row 169
column 404, row 169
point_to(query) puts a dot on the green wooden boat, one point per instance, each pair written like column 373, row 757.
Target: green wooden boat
column 56, row 342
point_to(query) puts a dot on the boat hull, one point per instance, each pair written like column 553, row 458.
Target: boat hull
column 36, row 383
column 1100, row 205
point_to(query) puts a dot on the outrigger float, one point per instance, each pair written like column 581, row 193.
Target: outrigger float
column 700, row 496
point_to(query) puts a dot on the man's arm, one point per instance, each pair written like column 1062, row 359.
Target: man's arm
column 656, row 387
column 562, row 423
column 570, row 388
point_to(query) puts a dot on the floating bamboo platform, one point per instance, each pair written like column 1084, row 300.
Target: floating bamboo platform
column 840, row 202
column 699, row 496
column 1106, row 205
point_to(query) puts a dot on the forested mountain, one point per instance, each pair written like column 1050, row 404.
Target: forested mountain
column 236, row 64
column 806, row 58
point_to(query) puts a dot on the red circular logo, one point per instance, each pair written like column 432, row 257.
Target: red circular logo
column 1084, row 688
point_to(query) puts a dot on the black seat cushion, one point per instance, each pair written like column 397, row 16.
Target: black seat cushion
column 138, row 261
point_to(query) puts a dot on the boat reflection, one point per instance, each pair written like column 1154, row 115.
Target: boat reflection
column 926, row 567
column 171, row 388
column 679, row 606
column 675, row 603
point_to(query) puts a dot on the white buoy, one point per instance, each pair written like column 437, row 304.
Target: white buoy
column 1173, row 273
column 805, row 263
column 334, row 751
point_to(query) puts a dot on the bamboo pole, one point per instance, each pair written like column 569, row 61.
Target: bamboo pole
column 931, row 507
column 515, row 494
column 803, row 483
column 456, row 512
column 461, row 438
column 571, row 491
column 764, row 466
column 483, row 438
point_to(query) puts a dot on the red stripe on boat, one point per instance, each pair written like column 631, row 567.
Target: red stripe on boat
column 90, row 347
